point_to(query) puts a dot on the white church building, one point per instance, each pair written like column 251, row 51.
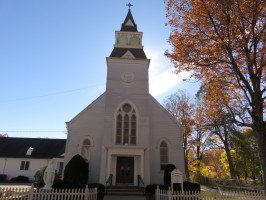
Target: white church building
column 125, row 132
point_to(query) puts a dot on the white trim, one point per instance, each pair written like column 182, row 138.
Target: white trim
column 128, row 61
column 128, row 55
column 84, row 138
column 129, row 23
column 129, row 46
column 80, row 145
column 160, row 141
column 87, row 108
column 167, row 146
column 125, row 151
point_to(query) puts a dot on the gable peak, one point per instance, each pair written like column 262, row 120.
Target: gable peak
column 129, row 23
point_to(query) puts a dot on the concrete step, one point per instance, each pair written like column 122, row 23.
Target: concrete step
column 125, row 191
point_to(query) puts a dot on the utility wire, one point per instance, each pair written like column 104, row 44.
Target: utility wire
column 55, row 93
column 3, row 131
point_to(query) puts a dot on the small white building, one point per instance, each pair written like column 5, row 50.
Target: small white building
column 25, row 156
column 125, row 132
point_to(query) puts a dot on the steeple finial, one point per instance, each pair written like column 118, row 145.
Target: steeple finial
column 129, row 5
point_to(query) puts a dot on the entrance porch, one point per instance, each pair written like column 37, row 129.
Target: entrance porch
column 125, row 163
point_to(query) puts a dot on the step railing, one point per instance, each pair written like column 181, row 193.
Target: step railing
column 140, row 181
column 109, row 181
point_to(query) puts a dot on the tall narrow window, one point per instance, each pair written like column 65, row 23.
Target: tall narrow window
column 119, row 129
column 126, row 125
column 133, row 129
column 126, row 129
column 85, row 149
column 163, row 155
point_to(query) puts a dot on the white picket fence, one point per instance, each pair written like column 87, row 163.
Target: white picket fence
column 221, row 195
column 47, row 194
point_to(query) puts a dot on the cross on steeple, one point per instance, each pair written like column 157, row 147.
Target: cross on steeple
column 129, row 5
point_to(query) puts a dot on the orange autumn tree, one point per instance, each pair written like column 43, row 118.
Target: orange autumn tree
column 181, row 107
column 199, row 141
column 224, row 40
column 212, row 167
column 216, row 116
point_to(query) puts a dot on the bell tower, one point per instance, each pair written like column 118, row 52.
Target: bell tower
column 127, row 65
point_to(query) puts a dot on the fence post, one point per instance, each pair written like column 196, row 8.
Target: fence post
column 157, row 193
column 86, row 191
column 31, row 191
column 169, row 194
column 96, row 193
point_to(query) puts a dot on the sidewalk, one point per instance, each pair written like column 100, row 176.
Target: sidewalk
column 124, row 198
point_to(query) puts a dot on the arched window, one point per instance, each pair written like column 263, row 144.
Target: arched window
column 85, row 149
column 126, row 125
column 163, row 155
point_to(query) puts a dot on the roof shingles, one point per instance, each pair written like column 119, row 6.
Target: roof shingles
column 43, row 148
column 125, row 27
column 119, row 52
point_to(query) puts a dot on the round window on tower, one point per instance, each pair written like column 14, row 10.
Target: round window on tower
column 126, row 108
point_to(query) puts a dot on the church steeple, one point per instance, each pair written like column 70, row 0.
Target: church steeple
column 129, row 23
column 128, row 40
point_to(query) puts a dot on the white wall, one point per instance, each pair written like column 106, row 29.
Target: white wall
column 87, row 124
column 154, row 123
column 11, row 167
column 165, row 127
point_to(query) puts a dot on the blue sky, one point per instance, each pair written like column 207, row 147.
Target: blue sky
column 52, row 59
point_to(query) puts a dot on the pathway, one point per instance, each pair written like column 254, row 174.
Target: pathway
column 124, row 198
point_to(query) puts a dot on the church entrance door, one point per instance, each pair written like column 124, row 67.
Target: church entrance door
column 125, row 170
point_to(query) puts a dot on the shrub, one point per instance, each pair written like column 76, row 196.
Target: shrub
column 150, row 189
column 20, row 179
column 201, row 179
column 177, row 187
column 167, row 174
column 38, row 178
column 188, row 186
column 76, row 173
column 100, row 189
column 3, row 177
column 58, row 184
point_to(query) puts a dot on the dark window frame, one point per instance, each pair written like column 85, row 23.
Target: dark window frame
column 24, row 165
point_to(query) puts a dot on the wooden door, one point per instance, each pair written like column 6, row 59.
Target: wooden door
column 125, row 170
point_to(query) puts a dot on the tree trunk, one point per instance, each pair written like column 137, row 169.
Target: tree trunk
column 186, row 164
column 260, row 134
column 230, row 161
column 259, row 129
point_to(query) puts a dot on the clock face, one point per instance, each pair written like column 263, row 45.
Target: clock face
column 127, row 77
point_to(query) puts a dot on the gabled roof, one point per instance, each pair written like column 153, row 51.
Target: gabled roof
column 129, row 23
column 11, row 147
column 120, row 52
